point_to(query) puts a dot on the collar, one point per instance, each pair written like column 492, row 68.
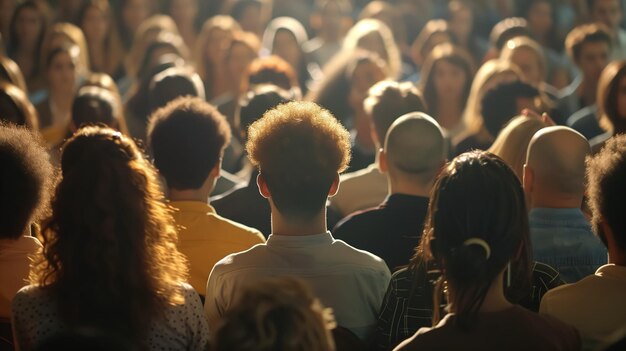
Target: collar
column 570, row 215
column 612, row 270
column 300, row 241
column 405, row 200
column 192, row 206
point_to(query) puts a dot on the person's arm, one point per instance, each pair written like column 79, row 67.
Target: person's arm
column 213, row 306
column 386, row 333
column 196, row 323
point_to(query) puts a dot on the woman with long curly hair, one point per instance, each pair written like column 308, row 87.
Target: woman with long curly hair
column 110, row 261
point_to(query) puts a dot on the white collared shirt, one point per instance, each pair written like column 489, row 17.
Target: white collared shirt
column 350, row 281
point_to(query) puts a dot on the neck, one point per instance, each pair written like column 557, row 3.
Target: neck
column 199, row 195
column 284, row 226
column 494, row 301
column 62, row 101
column 587, row 91
column 546, row 200
column 449, row 115
column 398, row 185
column 617, row 256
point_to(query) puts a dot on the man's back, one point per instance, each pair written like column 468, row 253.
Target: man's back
column 205, row 238
column 360, row 190
column 390, row 231
column 350, row 281
column 596, row 305
column 562, row 238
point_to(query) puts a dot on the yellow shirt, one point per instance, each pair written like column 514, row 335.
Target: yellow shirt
column 205, row 238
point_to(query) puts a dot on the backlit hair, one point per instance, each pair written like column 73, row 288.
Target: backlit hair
column 110, row 258
column 607, row 97
column 465, row 195
column 277, row 314
column 586, row 33
column 299, row 148
column 512, row 141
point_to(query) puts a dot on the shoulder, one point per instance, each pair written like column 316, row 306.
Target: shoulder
column 239, row 261
column 240, row 230
column 356, row 220
column 30, row 301
column 361, row 258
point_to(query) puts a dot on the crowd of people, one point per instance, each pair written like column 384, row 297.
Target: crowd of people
column 315, row 175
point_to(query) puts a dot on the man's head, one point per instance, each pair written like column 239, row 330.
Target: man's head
column 300, row 149
column 589, row 47
column 388, row 100
column 187, row 138
column 172, row 83
column 506, row 101
column 25, row 177
column 554, row 173
column 606, row 190
column 607, row 12
column 415, row 149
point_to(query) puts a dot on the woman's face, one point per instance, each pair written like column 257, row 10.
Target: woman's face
column 621, row 98
column 286, row 47
column 184, row 11
column 239, row 59
column 540, row 18
column 95, row 25
column 62, row 72
column 217, row 44
column 28, row 25
column 528, row 62
column 134, row 12
column 365, row 75
column 374, row 43
column 449, row 80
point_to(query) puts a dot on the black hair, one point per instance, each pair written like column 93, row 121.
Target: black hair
column 499, row 104
column 187, row 138
column 606, row 172
column 476, row 224
column 254, row 104
column 25, row 179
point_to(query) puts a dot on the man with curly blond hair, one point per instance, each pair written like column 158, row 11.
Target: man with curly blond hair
column 300, row 149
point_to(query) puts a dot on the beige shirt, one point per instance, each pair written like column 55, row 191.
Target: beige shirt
column 14, row 268
column 360, row 190
column 595, row 305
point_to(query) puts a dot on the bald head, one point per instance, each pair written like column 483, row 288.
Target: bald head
column 556, row 156
column 415, row 146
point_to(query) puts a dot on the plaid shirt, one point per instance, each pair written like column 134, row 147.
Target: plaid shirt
column 407, row 306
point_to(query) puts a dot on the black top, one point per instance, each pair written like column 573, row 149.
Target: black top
column 391, row 231
column 245, row 205
column 408, row 303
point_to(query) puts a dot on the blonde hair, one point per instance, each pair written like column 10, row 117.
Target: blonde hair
column 512, row 142
column 146, row 34
column 520, row 43
column 74, row 36
column 472, row 115
column 223, row 22
column 369, row 26
column 276, row 314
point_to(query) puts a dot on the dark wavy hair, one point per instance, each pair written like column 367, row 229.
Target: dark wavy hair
column 476, row 196
column 110, row 259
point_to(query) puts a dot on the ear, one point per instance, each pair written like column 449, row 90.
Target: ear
column 263, row 189
column 382, row 161
column 528, row 179
column 215, row 172
column 373, row 134
column 334, row 187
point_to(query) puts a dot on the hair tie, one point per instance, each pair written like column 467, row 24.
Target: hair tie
column 480, row 242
